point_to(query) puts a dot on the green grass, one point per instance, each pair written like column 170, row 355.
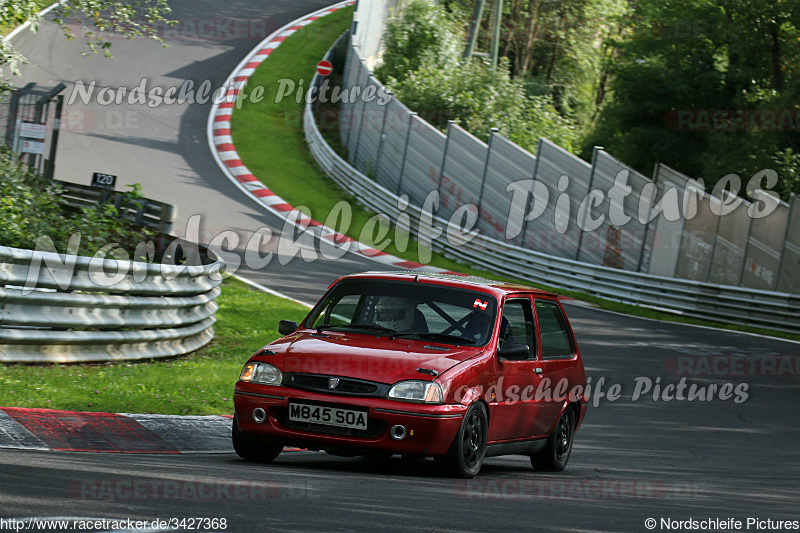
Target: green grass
column 200, row 383
column 269, row 138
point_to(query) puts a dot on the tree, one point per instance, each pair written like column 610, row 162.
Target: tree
column 709, row 87
column 660, row 72
column 421, row 34
column 558, row 48
column 96, row 18
column 424, row 67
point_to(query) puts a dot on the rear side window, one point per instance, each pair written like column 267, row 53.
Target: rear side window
column 556, row 341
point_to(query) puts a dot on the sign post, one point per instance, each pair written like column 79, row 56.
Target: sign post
column 104, row 181
column 324, row 67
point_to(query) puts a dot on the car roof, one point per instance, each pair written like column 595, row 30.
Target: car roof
column 498, row 288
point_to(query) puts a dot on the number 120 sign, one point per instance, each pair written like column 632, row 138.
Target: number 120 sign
column 106, row 181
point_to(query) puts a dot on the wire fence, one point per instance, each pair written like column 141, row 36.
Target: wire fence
column 554, row 202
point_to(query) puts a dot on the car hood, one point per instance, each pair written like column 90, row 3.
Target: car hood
column 365, row 357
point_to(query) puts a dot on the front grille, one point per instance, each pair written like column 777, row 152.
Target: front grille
column 375, row 427
column 342, row 386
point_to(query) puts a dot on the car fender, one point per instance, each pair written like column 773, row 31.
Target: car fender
column 471, row 395
column 564, row 406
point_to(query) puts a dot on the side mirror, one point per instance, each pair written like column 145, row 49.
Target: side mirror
column 514, row 352
column 285, row 327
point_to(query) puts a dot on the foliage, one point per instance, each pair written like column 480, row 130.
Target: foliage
column 31, row 208
column 422, row 34
column 561, row 49
column 699, row 57
column 787, row 165
column 429, row 76
column 95, row 21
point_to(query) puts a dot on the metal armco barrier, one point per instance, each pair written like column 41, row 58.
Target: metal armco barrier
column 611, row 215
column 67, row 309
column 84, row 309
column 720, row 303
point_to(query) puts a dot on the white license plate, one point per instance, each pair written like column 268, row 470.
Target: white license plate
column 329, row 416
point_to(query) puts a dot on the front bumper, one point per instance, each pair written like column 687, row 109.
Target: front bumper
column 430, row 429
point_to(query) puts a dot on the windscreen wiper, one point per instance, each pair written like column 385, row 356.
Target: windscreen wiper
column 441, row 337
column 370, row 327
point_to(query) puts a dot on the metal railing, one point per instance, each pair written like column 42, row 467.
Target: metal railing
column 708, row 301
column 60, row 308
column 57, row 308
column 151, row 214
column 555, row 202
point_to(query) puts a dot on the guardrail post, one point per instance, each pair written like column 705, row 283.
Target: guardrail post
column 746, row 247
column 352, row 55
column 169, row 213
column 405, row 153
column 716, row 235
column 647, row 224
column 354, row 155
column 792, row 207
column 527, row 200
column 382, row 138
column 586, row 213
column 492, row 133
column 444, row 158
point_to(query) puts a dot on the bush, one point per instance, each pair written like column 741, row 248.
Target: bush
column 31, row 207
column 422, row 64
column 422, row 34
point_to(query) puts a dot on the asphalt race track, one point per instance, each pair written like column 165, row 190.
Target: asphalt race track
column 165, row 148
column 634, row 458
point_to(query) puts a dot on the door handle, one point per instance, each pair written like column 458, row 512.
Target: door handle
column 537, row 371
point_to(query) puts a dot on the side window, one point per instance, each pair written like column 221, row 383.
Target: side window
column 339, row 312
column 556, row 341
column 516, row 326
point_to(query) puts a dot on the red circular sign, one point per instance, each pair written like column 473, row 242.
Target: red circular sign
column 324, row 67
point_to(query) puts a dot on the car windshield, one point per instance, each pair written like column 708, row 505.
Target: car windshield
column 411, row 310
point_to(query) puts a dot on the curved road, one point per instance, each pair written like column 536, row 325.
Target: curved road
column 634, row 458
column 165, row 148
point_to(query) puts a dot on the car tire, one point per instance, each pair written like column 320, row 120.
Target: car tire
column 253, row 447
column 556, row 453
column 468, row 450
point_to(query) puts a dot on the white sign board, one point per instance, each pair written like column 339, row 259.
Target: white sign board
column 32, row 147
column 32, row 130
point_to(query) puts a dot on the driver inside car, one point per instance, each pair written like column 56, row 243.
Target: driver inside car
column 400, row 314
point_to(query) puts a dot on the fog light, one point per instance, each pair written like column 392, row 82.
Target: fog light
column 259, row 415
column 398, row 432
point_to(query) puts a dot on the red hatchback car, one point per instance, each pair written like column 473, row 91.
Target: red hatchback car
column 422, row 365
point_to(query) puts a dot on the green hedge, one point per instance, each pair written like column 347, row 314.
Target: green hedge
column 31, row 209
